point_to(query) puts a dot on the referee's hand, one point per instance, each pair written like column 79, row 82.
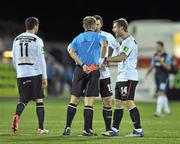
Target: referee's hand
column 44, row 83
column 86, row 69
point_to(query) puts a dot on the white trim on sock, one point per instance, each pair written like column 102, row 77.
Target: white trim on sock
column 131, row 108
column 22, row 103
column 72, row 106
column 107, row 109
column 88, row 108
column 39, row 106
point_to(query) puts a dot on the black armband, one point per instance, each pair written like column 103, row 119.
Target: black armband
column 105, row 60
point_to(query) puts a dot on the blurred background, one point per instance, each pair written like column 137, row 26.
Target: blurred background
column 60, row 22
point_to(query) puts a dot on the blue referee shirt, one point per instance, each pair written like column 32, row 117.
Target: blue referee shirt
column 87, row 46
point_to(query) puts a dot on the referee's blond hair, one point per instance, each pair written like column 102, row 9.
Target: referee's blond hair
column 89, row 22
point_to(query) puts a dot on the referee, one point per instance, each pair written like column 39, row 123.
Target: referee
column 86, row 49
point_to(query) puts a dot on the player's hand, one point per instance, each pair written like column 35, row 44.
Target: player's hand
column 86, row 69
column 100, row 65
column 44, row 83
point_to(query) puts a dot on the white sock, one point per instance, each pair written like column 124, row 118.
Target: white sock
column 166, row 105
column 159, row 104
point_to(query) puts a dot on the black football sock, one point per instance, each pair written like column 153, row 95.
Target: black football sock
column 135, row 117
column 88, row 117
column 19, row 108
column 107, row 115
column 118, row 114
column 71, row 111
column 40, row 114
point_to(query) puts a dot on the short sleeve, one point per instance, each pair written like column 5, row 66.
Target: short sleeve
column 168, row 60
column 102, row 38
column 127, row 49
column 73, row 44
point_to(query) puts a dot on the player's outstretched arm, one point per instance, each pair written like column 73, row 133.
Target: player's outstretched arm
column 118, row 58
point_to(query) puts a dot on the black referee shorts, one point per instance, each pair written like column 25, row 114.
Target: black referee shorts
column 85, row 84
column 30, row 88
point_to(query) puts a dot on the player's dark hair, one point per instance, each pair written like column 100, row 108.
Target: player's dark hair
column 160, row 43
column 98, row 17
column 31, row 22
column 121, row 22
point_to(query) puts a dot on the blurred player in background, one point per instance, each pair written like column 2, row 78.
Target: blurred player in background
column 105, row 81
column 30, row 65
column 127, row 78
column 86, row 49
column 161, row 62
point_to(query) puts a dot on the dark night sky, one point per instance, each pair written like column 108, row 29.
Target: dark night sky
column 64, row 20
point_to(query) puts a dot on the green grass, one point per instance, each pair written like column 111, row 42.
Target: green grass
column 163, row 130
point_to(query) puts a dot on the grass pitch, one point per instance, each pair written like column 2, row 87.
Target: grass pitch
column 162, row 130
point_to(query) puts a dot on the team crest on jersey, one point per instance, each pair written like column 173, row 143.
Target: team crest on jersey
column 125, row 49
column 42, row 49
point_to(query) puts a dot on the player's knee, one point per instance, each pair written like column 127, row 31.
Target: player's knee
column 74, row 100
column 118, row 104
column 88, row 101
column 39, row 100
column 130, row 104
column 106, row 101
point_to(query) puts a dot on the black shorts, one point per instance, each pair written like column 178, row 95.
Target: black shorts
column 125, row 90
column 85, row 84
column 105, row 87
column 30, row 88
